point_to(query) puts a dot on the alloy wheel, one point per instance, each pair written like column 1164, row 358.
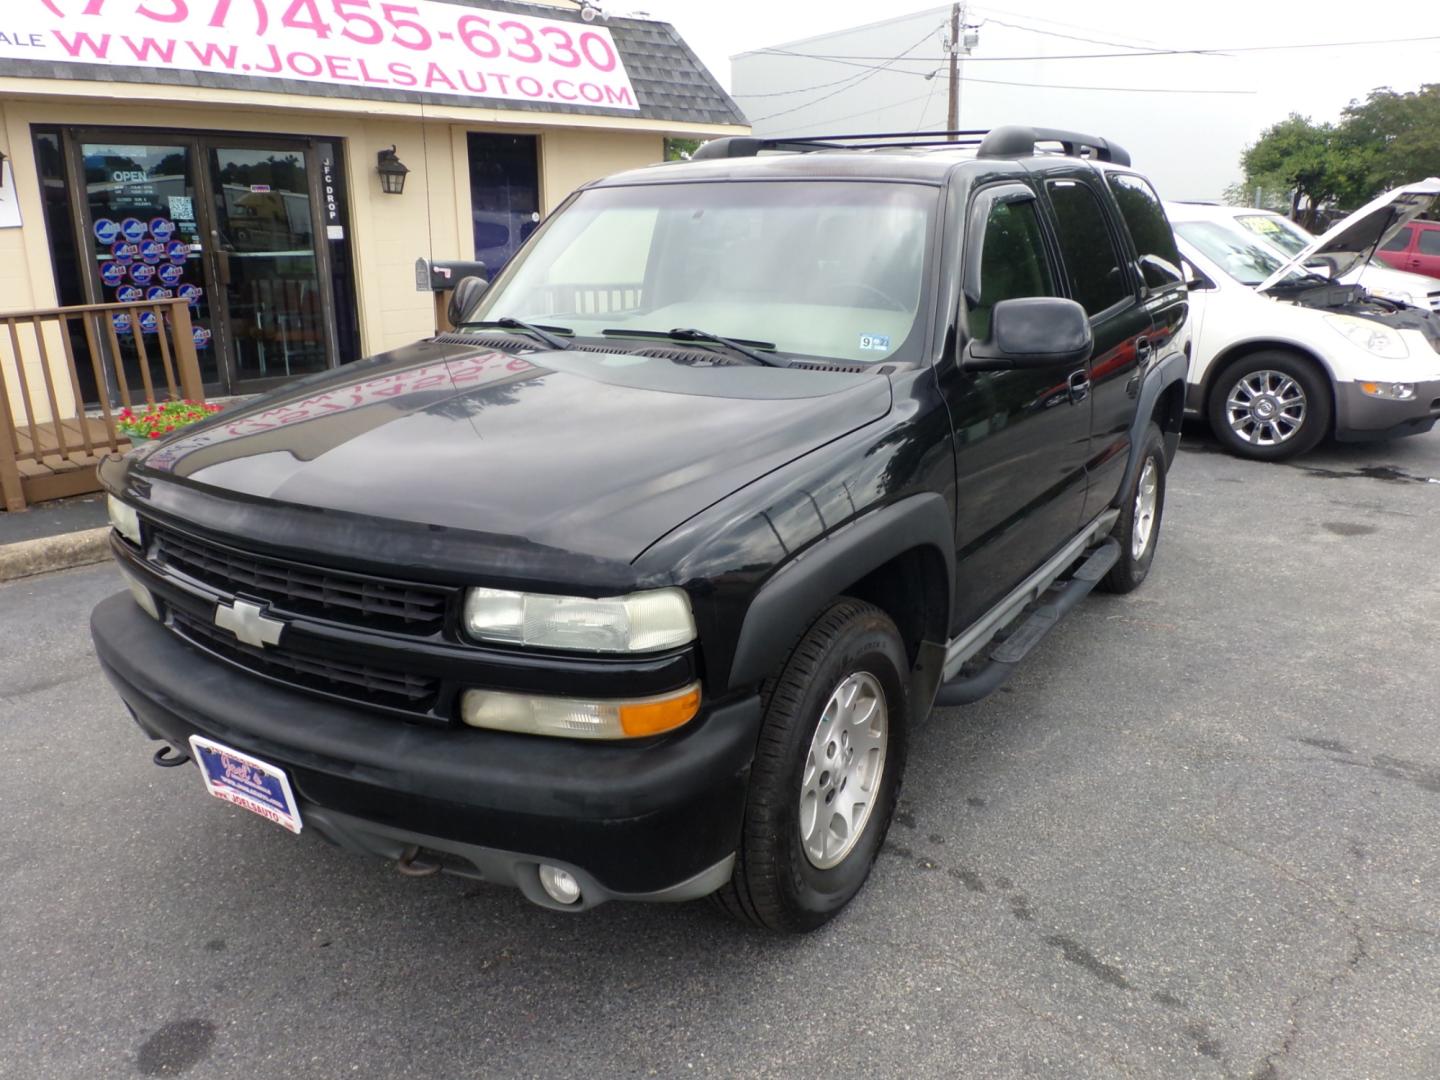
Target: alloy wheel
column 1266, row 408
column 843, row 769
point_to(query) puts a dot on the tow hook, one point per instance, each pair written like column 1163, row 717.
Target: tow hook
column 167, row 757
column 411, row 865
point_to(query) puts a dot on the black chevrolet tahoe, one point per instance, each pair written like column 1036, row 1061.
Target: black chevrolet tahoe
column 638, row 582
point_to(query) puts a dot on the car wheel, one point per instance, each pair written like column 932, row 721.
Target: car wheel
column 826, row 773
column 1270, row 406
column 1141, row 508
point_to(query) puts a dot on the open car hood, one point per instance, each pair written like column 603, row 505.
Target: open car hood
column 1353, row 241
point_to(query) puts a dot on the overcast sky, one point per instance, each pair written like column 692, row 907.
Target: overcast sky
column 1317, row 82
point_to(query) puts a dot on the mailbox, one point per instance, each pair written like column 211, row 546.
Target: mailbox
column 443, row 276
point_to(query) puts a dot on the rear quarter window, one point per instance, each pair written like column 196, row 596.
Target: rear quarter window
column 1144, row 216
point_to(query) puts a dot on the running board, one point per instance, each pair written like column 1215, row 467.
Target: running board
column 1061, row 599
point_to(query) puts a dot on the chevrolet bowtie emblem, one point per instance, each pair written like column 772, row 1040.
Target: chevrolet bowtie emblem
column 249, row 624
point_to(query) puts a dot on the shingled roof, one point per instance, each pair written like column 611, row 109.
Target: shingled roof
column 670, row 81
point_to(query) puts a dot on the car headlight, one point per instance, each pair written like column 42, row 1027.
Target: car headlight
column 124, row 518
column 1369, row 335
column 639, row 622
column 1390, row 391
column 536, row 715
column 143, row 596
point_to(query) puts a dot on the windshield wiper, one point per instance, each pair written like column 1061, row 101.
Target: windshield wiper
column 745, row 348
column 541, row 332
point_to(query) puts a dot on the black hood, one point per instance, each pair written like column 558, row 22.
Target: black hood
column 595, row 454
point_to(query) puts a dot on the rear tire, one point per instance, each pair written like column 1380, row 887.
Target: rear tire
column 826, row 774
column 1270, row 405
column 1141, row 508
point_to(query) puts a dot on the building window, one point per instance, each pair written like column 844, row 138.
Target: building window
column 504, row 195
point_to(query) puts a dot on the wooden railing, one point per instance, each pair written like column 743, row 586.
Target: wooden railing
column 50, row 438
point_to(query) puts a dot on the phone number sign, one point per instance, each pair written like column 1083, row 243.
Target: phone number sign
column 423, row 45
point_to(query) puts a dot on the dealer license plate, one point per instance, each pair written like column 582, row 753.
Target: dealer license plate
column 246, row 781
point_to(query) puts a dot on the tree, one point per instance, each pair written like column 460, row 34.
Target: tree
column 1387, row 140
column 1395, row 138
column 681, row 149
column 1300, row 157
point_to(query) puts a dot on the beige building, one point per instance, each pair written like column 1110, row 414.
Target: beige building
column 239, row 157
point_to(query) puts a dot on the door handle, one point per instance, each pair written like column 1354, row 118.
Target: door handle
column 1079, row 386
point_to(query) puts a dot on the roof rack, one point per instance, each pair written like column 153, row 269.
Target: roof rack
column 1009, row 141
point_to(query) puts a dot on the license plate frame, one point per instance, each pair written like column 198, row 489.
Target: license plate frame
column 246, row 781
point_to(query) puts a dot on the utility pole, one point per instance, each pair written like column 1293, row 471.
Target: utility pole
column 952, row 119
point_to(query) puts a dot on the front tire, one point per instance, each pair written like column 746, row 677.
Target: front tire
column 826, row 774
column 1141, row 508
column 1270, row 405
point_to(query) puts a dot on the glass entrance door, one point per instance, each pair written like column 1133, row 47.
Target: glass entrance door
column 228, row 223
column 146, row 242
column 268, row 260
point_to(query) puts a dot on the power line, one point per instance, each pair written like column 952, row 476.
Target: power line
column 1057, row 33
column 844, row 58
column 856, row 82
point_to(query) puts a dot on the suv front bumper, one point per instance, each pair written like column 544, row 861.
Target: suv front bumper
column 658, row 820
column 1359, row 416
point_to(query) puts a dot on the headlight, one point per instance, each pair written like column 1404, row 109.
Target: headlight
column 1390, row 391
column 1369, row 335
column 640, row 622
column 143, row 596
column 532, row 715
column 124, row 518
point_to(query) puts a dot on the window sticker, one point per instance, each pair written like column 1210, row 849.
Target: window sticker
column 182, row 208
column 874, row 342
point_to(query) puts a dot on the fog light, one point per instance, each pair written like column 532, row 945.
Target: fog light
column 559, row 885
column 1399, row 391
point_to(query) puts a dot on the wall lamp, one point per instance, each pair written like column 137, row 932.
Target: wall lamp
column 392, row 172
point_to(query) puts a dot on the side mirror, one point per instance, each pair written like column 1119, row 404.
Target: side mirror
column 464, row 297
column 1032, row 332
column 1322, row 265
column 1193, row 278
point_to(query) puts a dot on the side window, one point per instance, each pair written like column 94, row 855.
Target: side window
column 1012, row 261
column 1097, row 275
column 1429, row 242
column 1149, row 228
column 1399, row 242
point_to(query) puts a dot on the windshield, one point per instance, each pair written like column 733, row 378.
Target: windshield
column 1282, row 232
column 830, row 270
column 1235, row 251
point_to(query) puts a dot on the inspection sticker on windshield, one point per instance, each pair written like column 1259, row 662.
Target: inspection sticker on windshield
column 246, row 781
column 874, row 342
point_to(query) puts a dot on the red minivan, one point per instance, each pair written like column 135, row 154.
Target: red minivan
column 1415, row 248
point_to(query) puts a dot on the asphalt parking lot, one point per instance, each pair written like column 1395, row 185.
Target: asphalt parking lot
column 1195, row 837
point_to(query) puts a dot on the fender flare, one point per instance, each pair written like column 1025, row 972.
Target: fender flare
column 1167, row 373
column 790, row 599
